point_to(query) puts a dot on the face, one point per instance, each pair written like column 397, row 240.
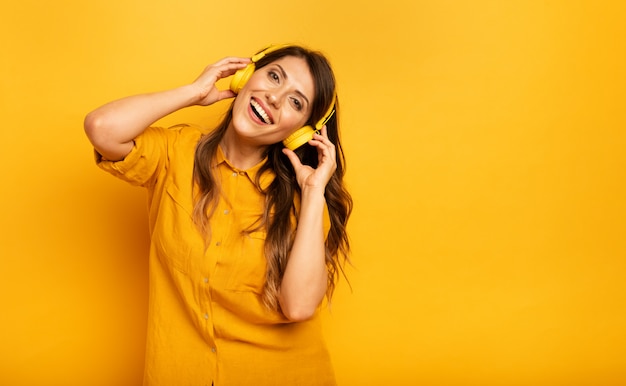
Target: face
column 275, row 102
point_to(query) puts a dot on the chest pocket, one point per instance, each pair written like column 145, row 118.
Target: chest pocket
column 175, row 235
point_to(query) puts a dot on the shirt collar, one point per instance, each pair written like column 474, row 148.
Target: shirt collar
column 266, row 178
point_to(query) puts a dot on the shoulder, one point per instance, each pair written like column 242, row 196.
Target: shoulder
column 178, row 141
column 184, row 133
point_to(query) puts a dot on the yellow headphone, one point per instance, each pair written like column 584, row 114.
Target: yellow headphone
column 303, row 134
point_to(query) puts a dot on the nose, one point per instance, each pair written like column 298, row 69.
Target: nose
column 273, row 99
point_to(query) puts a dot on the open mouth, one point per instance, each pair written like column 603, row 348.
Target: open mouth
column 259, row 112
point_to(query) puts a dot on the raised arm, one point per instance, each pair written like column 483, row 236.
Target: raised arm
column 305, row 280
column 113, row 127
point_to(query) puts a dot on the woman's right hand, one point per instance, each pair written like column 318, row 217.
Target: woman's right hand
column 112, row 128
column 208, row 93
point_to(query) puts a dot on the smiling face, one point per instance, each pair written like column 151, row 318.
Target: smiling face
column 276, row 101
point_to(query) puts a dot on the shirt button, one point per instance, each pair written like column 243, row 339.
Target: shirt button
column 206, row 316
column 226, row 211
column 206, row 279
column 213, row 350
column 218, row 243
column 235, row 174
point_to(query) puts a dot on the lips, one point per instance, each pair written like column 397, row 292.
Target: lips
column 260, row 112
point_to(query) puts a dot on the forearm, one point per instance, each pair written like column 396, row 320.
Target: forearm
column 113, row 127
column 305, row 280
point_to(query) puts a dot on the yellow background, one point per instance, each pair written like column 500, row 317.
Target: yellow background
column 486, row 155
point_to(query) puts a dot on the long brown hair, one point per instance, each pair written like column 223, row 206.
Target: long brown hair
column 280, row 195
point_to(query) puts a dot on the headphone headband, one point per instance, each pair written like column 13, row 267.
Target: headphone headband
column 327, row 115
column 259, row 55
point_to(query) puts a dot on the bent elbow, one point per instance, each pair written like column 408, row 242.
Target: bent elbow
column 93, row 126
column 102, row 136
column 299, row 314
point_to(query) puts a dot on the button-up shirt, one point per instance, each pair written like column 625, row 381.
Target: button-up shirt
column 207, row 323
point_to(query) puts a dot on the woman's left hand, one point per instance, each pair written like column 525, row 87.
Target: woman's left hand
column 308, row 177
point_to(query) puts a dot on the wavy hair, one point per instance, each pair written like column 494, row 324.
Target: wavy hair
column 281, row 194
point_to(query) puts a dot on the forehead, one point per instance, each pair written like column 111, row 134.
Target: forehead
column 298, row 74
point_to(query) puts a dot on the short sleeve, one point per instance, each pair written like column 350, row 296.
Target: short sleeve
column 145, row 161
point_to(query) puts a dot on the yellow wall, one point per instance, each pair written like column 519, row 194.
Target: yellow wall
column 485, row 142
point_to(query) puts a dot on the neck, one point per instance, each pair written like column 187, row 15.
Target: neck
column 240, row 154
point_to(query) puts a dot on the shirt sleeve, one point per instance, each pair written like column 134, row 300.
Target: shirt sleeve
column 146, row 160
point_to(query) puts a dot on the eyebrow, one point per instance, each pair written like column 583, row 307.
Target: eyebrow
column 284, row 74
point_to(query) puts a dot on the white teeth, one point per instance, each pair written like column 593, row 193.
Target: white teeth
column 259, row 110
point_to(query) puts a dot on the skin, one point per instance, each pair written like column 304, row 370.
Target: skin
column 284, row 90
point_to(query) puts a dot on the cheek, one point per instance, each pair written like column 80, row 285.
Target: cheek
column 240, row 109
column 289, row 128
column 238, row 104
column 295, row 120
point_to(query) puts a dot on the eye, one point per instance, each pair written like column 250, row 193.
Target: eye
column 297, row 103
column 273, row 75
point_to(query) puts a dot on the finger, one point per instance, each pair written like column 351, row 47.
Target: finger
column 324, row 131
column 228, row 69
column 322, row 141
column 225, row 94
column 232, row 59
column 293, row 158
column 228, row 64
column 325, row 148
column 323, row 135
column 225, row 67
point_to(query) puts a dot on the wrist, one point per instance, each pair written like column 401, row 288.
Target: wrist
column 313, row 193
column 191, row 94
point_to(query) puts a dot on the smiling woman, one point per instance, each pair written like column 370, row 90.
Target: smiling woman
column 248, row 235
column 273, row 102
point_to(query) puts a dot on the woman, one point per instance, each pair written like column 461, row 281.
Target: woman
column 247, row 235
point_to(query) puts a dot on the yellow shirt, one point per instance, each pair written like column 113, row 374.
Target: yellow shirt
column 206, row 321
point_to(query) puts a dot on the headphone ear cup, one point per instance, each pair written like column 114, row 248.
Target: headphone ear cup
column 299, row 137
column 241, row 77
